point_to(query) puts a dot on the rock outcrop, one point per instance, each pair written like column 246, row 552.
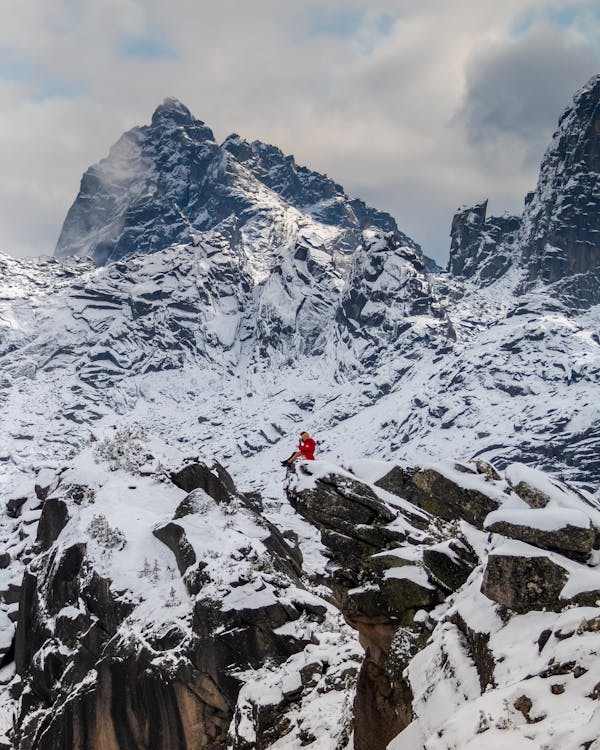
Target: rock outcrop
column 430, row 592
column 147, row 608
column 482, row 247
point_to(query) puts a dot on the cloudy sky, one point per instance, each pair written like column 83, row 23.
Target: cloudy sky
column 417, row 107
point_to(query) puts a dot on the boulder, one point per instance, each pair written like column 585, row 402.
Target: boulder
column 572, row 541
column 339, row 502
column 213, row 479
column 524, row 583
column 403, row 594
column 14, row 505
column 489, row 471
column 394, row 598
column 533, row 496
column 449, row 563
column 173, row 535
column 439, row 495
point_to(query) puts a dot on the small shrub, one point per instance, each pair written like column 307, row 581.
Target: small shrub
column 107, row 537
column 126, row 449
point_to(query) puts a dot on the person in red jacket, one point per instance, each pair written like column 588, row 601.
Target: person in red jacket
column 306, row 450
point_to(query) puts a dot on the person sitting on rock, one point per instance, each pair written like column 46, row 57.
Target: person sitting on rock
column 306, row 450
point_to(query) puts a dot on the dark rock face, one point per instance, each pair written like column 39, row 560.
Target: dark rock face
column 535, row 582
column 439, row 495
column 533, row 496
column 479, row 651
column 482, row 246
column 381, row 708
column 54, row 518
column 169, row 181
column 562, row 232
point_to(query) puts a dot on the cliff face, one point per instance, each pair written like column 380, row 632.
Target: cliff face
column 557, row 239
column 561, row 232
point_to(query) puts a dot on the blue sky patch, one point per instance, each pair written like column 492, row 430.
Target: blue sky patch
column 15, row 66
column 341, row 23
column 56, row 90
column 146, row 47
column 565, row 17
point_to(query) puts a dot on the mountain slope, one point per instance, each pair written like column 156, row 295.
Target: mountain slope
column 236, row 299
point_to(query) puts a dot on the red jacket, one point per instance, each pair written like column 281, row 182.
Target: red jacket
column 307, row 448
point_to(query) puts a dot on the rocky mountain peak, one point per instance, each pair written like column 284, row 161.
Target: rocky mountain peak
column 561, row 227
column 172, row 109
column 557, row 239
column 169, row 182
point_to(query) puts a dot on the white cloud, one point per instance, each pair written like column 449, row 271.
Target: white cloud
column 384, row 96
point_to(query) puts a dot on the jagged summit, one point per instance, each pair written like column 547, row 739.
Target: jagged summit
column 557, row 239
column 561, row 225
column 170, row 182
column 172, row 109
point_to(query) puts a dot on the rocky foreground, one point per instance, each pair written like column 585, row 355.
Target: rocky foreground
column 148, row 603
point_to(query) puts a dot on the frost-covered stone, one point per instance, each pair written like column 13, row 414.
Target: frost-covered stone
column 574, row 541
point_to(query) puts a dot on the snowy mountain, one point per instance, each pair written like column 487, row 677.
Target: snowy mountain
column 158, row 608
column 169, row 181
column 221, row 298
